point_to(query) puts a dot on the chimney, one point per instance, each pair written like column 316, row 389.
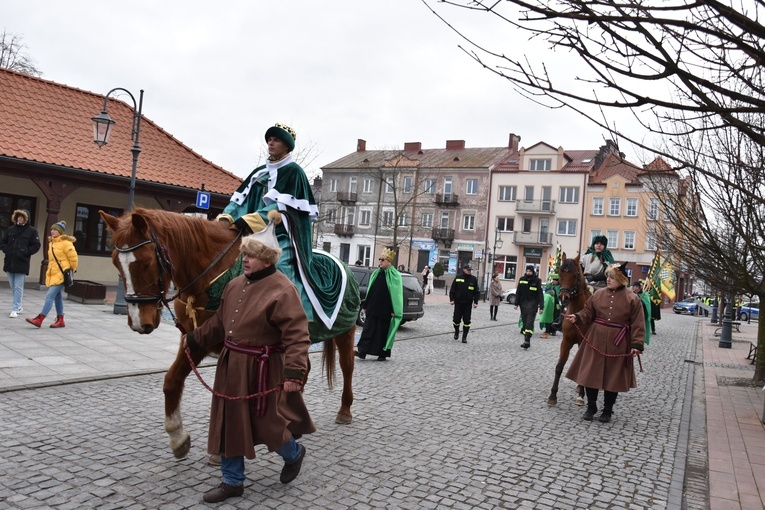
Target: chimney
column 515, row 140
column 453, row 145
column 412, row 146
column 361, row 145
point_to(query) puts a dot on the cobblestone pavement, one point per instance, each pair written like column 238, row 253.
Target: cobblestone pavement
column 440, row 425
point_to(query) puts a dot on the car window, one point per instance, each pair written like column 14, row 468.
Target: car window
column 410, row 282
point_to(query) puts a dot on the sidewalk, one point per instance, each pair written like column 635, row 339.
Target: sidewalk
column 96, row 344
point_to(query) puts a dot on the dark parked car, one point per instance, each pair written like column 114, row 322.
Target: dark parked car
column 413, row 297
column 686, row 307
column 750, row 310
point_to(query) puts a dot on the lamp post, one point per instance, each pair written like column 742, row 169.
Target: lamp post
column 102, row 127
column 497, row 244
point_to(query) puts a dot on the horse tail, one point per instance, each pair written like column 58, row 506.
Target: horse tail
column 328, row 361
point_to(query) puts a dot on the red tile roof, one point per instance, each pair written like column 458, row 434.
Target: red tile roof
column 46, row 122
column 615, row 165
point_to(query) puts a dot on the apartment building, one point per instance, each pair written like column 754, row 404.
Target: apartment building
column 431, row 205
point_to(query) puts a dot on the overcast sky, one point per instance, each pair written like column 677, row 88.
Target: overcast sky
column 217, row 74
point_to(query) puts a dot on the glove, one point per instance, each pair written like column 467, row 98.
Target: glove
column 243, row 227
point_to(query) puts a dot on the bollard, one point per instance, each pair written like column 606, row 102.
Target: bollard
column 726, row 340
column 714, row 313
column 120, row 305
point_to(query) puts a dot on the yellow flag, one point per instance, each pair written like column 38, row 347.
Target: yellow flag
column 668, row 280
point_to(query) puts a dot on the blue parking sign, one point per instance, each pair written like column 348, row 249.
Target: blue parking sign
column 203, row 200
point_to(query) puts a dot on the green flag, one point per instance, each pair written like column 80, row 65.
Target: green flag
column 652, row 283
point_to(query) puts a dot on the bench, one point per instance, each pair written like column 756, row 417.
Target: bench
column 734, row 325
column 752, row 353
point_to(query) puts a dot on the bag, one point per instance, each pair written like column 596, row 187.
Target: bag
column 68, row 278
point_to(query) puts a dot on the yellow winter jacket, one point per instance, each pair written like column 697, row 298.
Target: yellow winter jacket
column 63, row 247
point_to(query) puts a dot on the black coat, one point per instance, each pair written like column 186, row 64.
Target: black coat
column 19, row 244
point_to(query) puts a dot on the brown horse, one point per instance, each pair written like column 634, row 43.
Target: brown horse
column 153, row 248
column 573, row 295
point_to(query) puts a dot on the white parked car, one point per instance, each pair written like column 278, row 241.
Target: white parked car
column 509, row 296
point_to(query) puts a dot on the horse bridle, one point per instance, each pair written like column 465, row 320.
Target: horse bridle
column 574, row 292
column 162, row 262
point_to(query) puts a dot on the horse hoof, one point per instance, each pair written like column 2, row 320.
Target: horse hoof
column 183, row 449
column 343, row 419
column 552, row 401
column 579, row 401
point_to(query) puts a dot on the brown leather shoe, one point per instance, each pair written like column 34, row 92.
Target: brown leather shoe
column 222, row 492
column 290, row 471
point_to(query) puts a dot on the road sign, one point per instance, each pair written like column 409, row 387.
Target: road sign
column 203, row 200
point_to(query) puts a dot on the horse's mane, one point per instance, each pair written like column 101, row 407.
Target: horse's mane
column 187, row 235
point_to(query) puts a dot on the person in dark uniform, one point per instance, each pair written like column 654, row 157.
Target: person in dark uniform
column 529, row 297
column 462, row 295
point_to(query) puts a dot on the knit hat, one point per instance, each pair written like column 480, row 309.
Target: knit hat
column 19, row 212
column 388, row 254
column 284, row 133
column 262, row 245
column 59, row 226
column 619, row 273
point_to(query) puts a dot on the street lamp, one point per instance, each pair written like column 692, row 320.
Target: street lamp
column 497, row 244
column 102, row 128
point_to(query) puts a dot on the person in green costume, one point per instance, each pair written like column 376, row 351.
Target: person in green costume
column 281, row 187
column 551, row 312
column 595, row 262
column 384, row 304
column 637, row 288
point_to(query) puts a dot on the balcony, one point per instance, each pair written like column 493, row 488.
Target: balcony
column 346, row 197
column 344, row 230
column 447, row 199
column 533, row 238
column 443, row 234
column 535, row 206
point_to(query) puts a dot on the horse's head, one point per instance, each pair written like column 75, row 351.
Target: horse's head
column 146, row 272
column 571, row 279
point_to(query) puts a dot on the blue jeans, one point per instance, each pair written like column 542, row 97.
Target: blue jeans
column 232, row 468
column 16, row 281
column 54, row 295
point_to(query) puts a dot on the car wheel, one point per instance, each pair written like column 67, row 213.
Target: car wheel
column 362, row 317
column 743, row 317
column 678, row 313
column 511, row 299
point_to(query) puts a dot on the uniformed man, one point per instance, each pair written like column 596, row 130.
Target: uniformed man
column 462, row 295
column 529, row 297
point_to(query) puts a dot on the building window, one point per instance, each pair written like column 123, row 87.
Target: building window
column 352, row 185
column 332, row 216
column 569, row 195
column 505, row 224
column 427, row 220
column 471, row 187
column 468, row 222
column 526, row 225
column 326, row 246
column 614, row 206
column 597, row 206
column 10, row 203
column 445, row 220
column 430, row 186
column 613, row 237
column 653, row 209
column 365, row 218
column 387, row 218
column 365, row 255
column 443, row 258
column 629, row 239
column 505, row 266
column 447, row 187
column 540, row 165
column 389, row 185
column 368, row 185
column 566, row 227
column 593, row 234
column 650, row 241
column 528, row 193
column 507, row 193
column 349, row 215
column 90, row 230
column 333, row 185
column 407, row 184
column 403, row 220
column 632, row 207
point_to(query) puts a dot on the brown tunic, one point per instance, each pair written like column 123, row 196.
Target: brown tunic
column 259, row 312
column 590, row 368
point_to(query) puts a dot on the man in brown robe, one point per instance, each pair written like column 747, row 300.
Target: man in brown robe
column 616, row 335
column 264, row 331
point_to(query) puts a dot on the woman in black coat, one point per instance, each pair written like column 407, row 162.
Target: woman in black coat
column 21, row 241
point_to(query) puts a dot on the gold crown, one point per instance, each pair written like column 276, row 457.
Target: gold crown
column 388, row 254
column 288, row 129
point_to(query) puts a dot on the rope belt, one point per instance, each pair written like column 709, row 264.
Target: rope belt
column 261, row 354
column 624, row 328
